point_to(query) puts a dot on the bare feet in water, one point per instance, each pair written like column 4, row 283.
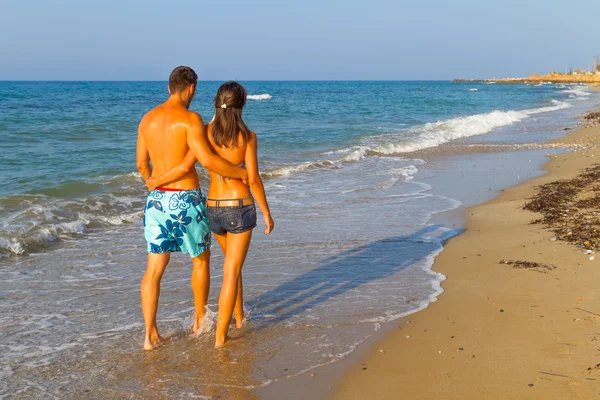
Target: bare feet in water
column 198, row 322
column 239, row 322
column 153, row 341
column 197, row 325
column 227, row 342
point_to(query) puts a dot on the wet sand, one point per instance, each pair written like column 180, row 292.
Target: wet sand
column 497, row 331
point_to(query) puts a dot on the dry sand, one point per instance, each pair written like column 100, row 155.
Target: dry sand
column 498, row 332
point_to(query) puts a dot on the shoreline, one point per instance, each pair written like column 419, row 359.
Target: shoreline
column 496, row 329
column 588, row 79
column 502, row 354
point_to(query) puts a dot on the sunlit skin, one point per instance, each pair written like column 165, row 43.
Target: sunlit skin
column 166, row 135
column 234, row 246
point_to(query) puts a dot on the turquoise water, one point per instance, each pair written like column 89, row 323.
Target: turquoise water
column 73, row 142
column 58, row 132
column 345, row 169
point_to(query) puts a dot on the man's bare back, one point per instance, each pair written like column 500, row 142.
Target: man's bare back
column 164, row 131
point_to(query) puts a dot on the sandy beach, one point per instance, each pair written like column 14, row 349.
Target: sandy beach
column 499, row 332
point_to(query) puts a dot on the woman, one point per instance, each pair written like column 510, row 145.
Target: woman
column 230, row 206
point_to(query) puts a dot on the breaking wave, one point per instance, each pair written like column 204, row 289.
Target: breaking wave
column 265, row 96
column 436, row 133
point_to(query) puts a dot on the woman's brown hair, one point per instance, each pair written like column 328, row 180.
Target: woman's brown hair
column 228, row 122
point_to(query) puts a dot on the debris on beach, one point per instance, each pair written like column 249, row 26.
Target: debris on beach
column 571, row 208
column 527, row 265
column 590, row 119
column 590, row 369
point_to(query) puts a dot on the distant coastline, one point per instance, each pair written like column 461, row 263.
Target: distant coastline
column 541, row 79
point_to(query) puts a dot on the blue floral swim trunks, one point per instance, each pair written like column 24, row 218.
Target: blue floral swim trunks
column 175, row 220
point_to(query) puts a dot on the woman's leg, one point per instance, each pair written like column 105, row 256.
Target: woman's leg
column 238, row 310
column 237, row 248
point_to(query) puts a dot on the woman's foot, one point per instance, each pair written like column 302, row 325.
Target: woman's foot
column 152, row 341
column 239, row 321
column 219, row 344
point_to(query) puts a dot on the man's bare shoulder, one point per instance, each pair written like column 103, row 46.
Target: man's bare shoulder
column 195, row 118
column 151, row 115
column 184, row 116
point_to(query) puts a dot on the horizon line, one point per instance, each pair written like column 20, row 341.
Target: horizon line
column 225, row 80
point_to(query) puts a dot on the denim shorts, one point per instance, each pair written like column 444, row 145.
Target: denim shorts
column 231, row 219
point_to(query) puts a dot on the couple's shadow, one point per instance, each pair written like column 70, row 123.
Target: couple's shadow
column 344, row 272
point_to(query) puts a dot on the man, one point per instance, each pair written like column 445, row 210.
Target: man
column 174, row 216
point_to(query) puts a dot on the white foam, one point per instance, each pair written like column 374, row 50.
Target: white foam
column 12, row 244
column 472, row 89
column 207, row 324
column 407, row 173
column 265, row 96
column 356, row 155
column 577, row 92
column 287, row 170
column 436, row 133
column 42, row 219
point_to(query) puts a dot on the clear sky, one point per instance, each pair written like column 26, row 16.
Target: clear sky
column 308, row 39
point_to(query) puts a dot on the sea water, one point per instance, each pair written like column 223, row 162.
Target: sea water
column 346, row 172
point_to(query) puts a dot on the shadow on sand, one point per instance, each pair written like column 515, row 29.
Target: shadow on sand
column 346, row 271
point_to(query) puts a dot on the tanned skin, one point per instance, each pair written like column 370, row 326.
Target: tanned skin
column 234, row 246
column 165, row 135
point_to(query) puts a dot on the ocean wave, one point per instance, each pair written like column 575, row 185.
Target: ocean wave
column 33, row 222
column 436, row 133
column 406, row 173
column 357, row 154
column 472, row 89
column 291, row 169
column 577, row 92
column 45, row 221
column 429, row 135
column 265, row 96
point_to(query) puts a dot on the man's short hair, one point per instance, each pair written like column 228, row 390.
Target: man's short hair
column 181, row 78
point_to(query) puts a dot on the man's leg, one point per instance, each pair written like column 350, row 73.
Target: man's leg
column 237, row 248
column 150, row 291
column 200, row 286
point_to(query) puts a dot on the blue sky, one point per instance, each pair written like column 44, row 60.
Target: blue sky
column 274, row 40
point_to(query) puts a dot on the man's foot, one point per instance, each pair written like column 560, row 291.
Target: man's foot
column 152, row 342
column 227, row 342
column 198, row 323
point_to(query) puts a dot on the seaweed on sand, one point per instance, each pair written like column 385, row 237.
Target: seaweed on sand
column 590, row 119
column 571, row 208
column 527, row 264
